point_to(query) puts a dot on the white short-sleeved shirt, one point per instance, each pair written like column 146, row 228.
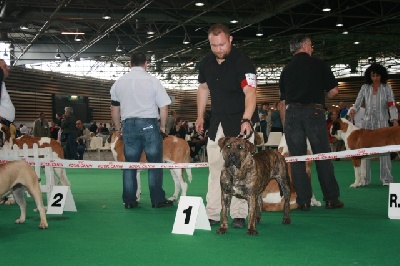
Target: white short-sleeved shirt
column 139, row 94
column 7, row 109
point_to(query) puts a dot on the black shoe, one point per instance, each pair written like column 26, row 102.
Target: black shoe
column 238, row 222
column 334, row 204
column 165, row 203
column 213, row 222
column 303, row 206
column 131, row 205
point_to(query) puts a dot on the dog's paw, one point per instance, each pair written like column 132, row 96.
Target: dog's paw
column 19, row 221
column 173, row 198
column 43, row 226
column 354, row 185
column 222, row 231
column 252, row 232
column 9, row 202
column 315, row 202
column 286, row 220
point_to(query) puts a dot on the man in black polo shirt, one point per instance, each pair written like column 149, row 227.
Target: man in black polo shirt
column 304, row 84
column 228, row 76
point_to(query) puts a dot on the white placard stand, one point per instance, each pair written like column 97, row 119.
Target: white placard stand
column 191, row 215
column 394, row 201
column 60, row 200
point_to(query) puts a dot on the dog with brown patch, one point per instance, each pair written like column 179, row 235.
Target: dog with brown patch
column 355, row 138
column 42, row 142
column 175, row 150
column 272, row 197
column 18, row 176
column 245, row 176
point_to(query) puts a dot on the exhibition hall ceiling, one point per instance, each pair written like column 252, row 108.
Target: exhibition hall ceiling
column 80, row 30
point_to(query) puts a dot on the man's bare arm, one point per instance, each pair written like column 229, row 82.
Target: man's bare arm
column 202, row 97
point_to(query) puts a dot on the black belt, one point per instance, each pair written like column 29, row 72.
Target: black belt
column 305, row 105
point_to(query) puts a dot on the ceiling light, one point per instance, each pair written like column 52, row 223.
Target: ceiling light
column 24, row 27
column 78, row 38
column 119, row 48
column 58, row 56
column 326, row 7
column 199, row 3
column 106, row 15
column 234, row 21
column 72, row 33
column 345, row 32
column 259, row 31
column 339, row 23
column 356, row 42
column 150, row 31
column 186, row 40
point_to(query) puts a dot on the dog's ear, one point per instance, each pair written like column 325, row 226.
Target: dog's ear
column 335, row 127
column 222, row 141
column 6, row 131
column 251, row 147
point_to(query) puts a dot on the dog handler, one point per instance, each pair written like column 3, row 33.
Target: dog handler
column 229, row 77
column 304, row 83
column 135, row 99
column 380, row 107
column 7, row 109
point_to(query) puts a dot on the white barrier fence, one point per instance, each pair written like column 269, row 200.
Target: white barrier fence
column 60, row 198
column 36, row 158
column 87, row 164
column 33, row 157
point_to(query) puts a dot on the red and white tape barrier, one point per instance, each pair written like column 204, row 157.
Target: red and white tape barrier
column 126, row 165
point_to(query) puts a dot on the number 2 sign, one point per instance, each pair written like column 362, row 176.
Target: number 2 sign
column 60, row 200
column 191, row 215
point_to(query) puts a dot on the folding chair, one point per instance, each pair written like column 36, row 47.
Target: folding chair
column 96, row 143
column 274, row 139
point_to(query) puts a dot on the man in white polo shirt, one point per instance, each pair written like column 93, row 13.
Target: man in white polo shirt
column 7, row 109
column 135, row 100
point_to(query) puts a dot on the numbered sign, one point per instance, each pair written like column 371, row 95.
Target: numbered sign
column 60, row 200
column 394, row 201
column 191, row 215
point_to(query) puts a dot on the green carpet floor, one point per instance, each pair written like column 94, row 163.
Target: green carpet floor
column 102, row 232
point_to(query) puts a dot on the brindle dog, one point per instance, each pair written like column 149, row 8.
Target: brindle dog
column 246, row 175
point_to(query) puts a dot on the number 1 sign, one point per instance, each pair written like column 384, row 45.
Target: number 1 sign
column 61, row 200
column 191, row 215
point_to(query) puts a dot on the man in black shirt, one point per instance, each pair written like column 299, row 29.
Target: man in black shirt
column 228, row 76
column 304, row 84
column 68, row 126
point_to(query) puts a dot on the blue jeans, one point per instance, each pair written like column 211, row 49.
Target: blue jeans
column 81, row 150
column 302, row 123
column 142, row 134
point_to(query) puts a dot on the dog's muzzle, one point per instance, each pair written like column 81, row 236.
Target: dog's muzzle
column 233, row 159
